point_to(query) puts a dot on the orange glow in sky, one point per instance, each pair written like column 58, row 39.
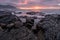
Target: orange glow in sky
column 35, row 7
column 39, row 7
column 30, row 8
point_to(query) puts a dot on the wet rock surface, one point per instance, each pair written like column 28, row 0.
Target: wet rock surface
column 11, row 28
column 51, row 26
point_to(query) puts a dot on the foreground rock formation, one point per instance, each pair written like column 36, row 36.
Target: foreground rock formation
column 50, row 26
column 11, row 28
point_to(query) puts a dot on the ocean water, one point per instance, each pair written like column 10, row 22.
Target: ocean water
column 44, row 10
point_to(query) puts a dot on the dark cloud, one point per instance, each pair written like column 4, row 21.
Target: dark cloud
column 30, row 2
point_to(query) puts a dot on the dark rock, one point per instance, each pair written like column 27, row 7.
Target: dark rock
column 29, row 22
column 51, row 26
column 12, row 29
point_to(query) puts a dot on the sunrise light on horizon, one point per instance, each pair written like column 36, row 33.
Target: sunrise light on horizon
column 40, row 7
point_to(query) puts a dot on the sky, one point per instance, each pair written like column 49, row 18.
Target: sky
column 31, row 3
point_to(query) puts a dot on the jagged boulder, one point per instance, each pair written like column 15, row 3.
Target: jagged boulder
column 11, row 28
column 29, row 23
column 51, row 26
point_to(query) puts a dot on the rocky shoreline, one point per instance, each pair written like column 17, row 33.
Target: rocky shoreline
column 12, row 28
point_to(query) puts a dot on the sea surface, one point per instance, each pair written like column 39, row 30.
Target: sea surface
column 44, row 10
